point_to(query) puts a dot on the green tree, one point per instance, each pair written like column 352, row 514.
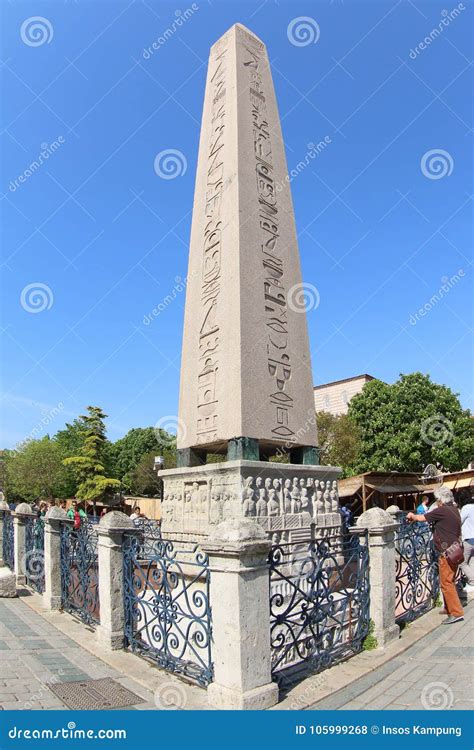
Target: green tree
column 34, row 471
column 70, row 442
column 127, row 453
column 339, row 440
column 409, row 424
column 88, row 466
column 143, row 479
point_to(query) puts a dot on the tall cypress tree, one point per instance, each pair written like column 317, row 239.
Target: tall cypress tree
column 88, row 467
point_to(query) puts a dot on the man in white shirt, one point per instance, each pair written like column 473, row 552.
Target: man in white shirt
column 467, row 530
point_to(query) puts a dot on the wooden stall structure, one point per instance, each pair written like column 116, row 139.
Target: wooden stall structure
column 404, row 489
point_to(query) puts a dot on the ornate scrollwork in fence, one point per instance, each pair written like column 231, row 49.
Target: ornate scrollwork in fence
column 319, row 602
column 167, row 612
column 80, row 572
column 417, row 580
column 34, row 553
column 8, row 540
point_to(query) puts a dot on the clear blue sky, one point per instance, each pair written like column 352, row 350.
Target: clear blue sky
column 107, row 236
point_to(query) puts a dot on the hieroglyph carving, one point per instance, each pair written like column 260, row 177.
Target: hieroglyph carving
column 274, row 292
column 209, row 332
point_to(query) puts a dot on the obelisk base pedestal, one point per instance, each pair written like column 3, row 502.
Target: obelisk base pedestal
column 291, row 502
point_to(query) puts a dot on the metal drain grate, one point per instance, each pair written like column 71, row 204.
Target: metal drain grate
column 93, row 695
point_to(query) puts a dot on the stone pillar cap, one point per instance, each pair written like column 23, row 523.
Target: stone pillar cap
column 57, row 514
column 376, row 518
column 4, row 505
column 236, row 535
column 24, row 509
column 115, row 520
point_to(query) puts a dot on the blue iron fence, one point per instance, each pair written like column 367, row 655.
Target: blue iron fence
column 319, row 603
column 166, row 599
column 8, row 540
column 417, row 579
column 34, row 553
column 80, row 572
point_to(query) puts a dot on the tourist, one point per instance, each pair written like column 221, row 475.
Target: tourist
column 447, row 530
column 423, row 506
column 77, row 514
column 136, row 514
column 347, row 515
column 63, row 504
column 467, row 521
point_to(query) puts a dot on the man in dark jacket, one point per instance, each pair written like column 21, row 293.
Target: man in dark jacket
column 447, row 529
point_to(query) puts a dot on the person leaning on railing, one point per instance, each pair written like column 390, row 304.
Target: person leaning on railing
column 446, row 534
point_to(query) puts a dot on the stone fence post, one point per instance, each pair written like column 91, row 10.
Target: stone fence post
column 382, row 572
column 4, row 509
column 52, row 557
column 110, row 531
column 21, row 514
column 240, row 605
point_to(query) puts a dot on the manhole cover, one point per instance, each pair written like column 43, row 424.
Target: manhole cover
column 93, row 695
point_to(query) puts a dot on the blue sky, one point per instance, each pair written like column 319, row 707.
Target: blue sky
column 381, row 224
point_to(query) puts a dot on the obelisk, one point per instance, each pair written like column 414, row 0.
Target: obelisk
column 246, row 384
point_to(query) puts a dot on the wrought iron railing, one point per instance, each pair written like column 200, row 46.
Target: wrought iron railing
column 150, row 534
column 34, row 553
column 80, row 572
column 166, row 599
column 319, row 603
column 8, row 543
column 417, row 579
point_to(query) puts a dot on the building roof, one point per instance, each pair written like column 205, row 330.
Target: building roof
column 345, row 380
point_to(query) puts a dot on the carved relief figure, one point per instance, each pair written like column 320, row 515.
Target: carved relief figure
column 319, row 503
column 261, row 502
column 327, row 498
column 287, row 496
column 249, row 504
column 295, row 497
column 273, row 508
column 334, row 498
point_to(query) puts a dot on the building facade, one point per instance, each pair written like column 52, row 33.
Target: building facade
column 335, row 397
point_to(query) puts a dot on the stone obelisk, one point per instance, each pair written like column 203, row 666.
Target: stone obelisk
column 246, row 383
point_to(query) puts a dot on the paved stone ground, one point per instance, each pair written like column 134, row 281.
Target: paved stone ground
column 33, row 652
column 39, row 647
column 436, row 672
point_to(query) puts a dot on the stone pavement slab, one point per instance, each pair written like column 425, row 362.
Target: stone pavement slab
column 45, row 645
column 435, row 673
